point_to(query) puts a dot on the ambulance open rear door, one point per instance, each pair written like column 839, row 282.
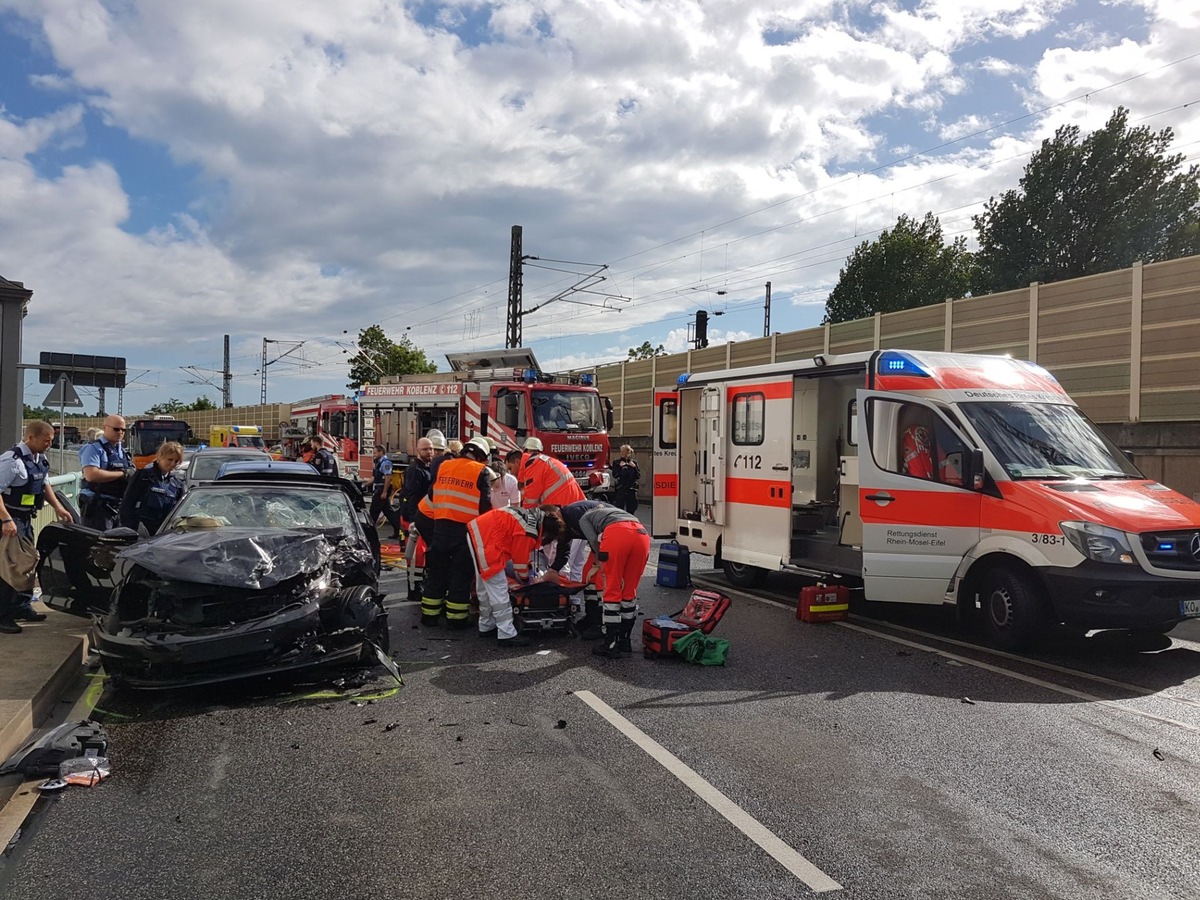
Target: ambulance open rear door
column 664, row 506
column 757, row 467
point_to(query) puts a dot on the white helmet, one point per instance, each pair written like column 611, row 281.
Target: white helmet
column 436, row 438
column 533, row 444
column 480, row 445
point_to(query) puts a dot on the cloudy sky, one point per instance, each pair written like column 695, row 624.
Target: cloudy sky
column 297, row 170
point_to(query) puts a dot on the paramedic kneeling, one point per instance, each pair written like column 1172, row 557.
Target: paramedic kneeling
column 497, row 538
column 621, row 546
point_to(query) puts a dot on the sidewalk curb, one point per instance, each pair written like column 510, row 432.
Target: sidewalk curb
column 33, row 712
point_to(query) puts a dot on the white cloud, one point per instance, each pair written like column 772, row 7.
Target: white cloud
column 357, row 166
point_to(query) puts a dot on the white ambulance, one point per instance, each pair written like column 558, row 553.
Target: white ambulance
column 929, row 478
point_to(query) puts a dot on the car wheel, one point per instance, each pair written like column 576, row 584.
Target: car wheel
column 1013, row 613
column 742, row 575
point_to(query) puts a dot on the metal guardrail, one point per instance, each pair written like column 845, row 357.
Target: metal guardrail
column 67, row 485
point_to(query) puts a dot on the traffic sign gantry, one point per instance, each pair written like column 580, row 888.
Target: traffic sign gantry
column 83, row 370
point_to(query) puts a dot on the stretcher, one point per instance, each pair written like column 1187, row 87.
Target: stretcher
column 543, row 606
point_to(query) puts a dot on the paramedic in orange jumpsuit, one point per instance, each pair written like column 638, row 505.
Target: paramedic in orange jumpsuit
column 620, row 550
column 544, row 479
column 461, row 491
column 497, row 538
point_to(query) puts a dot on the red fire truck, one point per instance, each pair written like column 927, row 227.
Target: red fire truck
column 333, row 418
column 501, row 394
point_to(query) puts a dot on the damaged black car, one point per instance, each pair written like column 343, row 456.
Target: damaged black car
column 257, row 573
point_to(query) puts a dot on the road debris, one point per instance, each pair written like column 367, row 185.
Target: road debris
column 967, row 700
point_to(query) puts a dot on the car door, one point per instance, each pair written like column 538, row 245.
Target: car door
column 919, row 519
column 78, row 570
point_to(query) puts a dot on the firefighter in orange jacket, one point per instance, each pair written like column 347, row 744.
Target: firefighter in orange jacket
column 498, row 538
column 544, row 479
column 461, row 491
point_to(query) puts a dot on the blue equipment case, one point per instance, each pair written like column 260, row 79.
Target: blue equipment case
column 674, row 566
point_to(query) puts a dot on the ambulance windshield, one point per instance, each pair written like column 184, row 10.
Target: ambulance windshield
column 1045, row 440
column 558, row 410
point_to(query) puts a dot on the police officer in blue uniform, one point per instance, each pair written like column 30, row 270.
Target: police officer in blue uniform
column 23, row 491
column 381, row 491
column 107, row 470
column 320, row 458
column 153, row 491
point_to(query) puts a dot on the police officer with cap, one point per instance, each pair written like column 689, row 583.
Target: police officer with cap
column 107, row 470
column 23, row 491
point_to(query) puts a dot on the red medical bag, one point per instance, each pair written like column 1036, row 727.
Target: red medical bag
column 703, row 611
column 823, row 603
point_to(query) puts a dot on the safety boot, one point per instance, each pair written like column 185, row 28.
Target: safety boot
column 624, row 637
column 609, row 646
column 590, row 627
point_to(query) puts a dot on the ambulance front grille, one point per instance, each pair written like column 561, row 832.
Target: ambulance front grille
column 1173, row 549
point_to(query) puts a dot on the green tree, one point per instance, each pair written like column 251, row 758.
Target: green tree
column 1090, row 206
column 379, row 355
column 202, row 403
column 169, row 408
column 646, row 351
column 908, row 266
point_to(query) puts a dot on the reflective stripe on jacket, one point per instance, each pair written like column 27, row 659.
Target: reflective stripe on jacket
column 505, row 534
column 456, row 494
column 545, row 479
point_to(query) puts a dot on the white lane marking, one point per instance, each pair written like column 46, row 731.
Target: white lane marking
column 966, row 660
column 738, row 817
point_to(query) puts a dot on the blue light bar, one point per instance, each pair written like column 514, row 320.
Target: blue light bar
column 894, row 363
column 531, row 375
column 1166, row 547
column 587, row 379
column 682, row 379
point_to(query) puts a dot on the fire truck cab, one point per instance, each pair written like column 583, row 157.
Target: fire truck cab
column 501, row 394
column 925, row 477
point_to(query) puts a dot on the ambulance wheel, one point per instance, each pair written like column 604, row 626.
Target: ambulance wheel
column 742, row 575
column 1013, row 615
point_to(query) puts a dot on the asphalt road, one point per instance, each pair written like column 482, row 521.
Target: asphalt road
column 872, row 758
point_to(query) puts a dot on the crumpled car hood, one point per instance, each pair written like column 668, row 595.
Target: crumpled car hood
column 232, row 557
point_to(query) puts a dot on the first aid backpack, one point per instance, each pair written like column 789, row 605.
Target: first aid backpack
column 703, row 611
column 674, row 566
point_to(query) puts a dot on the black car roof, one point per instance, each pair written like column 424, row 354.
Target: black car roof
column 277, row 478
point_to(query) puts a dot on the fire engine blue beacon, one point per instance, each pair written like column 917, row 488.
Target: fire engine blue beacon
column 893, row 362
column 682, row 379
column 587, row 379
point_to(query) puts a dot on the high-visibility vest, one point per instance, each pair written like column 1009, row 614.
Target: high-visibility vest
column 500, row 535
column 456, row 491
column 545, row 479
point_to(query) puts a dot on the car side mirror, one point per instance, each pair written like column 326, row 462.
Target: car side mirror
column 977, row 470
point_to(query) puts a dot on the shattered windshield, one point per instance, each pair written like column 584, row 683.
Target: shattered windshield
column 1045, row 440
column 567, row 411
column 261, row 506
